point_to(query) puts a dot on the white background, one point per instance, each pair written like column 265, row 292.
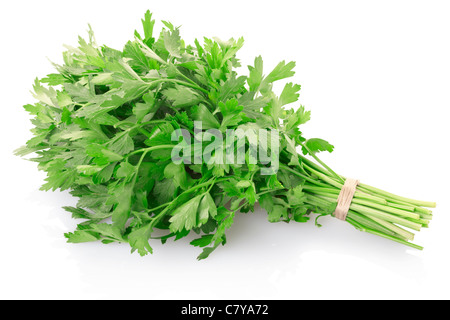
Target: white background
column 376, row 75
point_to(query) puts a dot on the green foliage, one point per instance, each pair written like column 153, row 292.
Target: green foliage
column 103, row 125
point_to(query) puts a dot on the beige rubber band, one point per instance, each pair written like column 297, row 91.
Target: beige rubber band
column 345, row 198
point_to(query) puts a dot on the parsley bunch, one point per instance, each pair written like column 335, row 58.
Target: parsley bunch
column 104, row 125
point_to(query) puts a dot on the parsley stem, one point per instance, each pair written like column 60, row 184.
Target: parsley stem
column 321, row 162
column 157, row 218
column 136, row 125
column 187, row 84
column 358, row 195
column 153, row 122
column 312, row 164
column 144, row 132
column 158, row 207
column 241, row 206
column 187, row 78
column 138, row 166
column 269, row 191
column 380, row 225
column 368, row 230
column 204, row 184
column 285, row 167
column 165, row 211
column 326, row 178
column 409, row 223
column 146, row 150
column 166, row 121
column 395, row 211
column 369, row 190
column 395, row 197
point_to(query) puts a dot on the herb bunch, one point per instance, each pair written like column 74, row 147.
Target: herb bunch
column 103, row 126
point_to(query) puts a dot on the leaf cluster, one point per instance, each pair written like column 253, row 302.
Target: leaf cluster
column 103, row 124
